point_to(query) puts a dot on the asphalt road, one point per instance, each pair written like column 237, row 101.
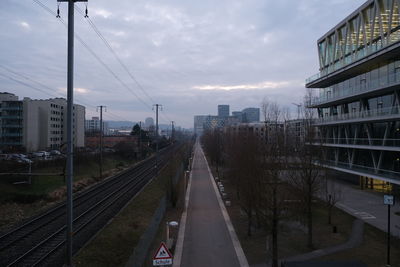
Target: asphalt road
column 207, row 242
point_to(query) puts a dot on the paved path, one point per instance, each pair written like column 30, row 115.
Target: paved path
column 208, row 239
column 368, row 206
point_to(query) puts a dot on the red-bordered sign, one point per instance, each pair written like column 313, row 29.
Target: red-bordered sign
column 162, row 256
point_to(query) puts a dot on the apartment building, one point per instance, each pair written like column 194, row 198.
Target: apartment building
column 38, row 124
column 359, row 94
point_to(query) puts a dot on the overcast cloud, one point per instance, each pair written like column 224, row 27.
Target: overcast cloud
column 188, row 56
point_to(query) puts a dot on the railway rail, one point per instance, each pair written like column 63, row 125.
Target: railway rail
column 40, row 240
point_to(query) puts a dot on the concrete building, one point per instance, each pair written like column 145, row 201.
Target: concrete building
column 93, row 126
column 295, row 132
column 149, row 122
column 251, row 114
column 223, row 111
column 199, row 124
column 11, row 122
column 38, row 124
column 359, row 93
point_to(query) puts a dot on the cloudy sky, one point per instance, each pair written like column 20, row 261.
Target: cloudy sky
column 188, row 56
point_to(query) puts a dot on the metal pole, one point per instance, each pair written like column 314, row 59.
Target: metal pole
column 70, row 101
column 157, row 137
column 140, row 140
column 388, row 238
column 101, row 142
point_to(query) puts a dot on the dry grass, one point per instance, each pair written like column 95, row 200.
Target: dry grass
column 115, row 243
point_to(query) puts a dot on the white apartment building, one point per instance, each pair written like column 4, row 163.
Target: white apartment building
column 93, row 126
column 44, row 124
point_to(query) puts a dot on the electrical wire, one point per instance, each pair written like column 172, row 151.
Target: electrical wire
column 107, row 44
column 94, row 54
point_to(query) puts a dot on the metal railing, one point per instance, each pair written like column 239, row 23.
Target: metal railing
column 380, row 112
column 366, row 86
column 359, row 141
column 364, row 169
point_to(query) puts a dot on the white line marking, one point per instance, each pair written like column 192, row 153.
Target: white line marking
column 236, row 244
column 182, row 227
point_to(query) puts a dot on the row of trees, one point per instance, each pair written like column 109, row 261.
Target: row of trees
column 273, row 181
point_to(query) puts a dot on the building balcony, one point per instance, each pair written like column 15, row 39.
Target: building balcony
column 12, row 125
column 372, row 87
column 12, row 108
column 392, row 176
column 9, row 143
column 381, row 114
column 11, row 134
column 361, row 143
column 13, row 117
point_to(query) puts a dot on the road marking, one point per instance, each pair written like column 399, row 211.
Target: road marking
column 182, row 227
column 235, row 240
column 361, row 214
column 364, row 215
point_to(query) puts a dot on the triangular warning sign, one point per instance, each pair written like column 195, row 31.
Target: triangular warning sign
column 162, row 253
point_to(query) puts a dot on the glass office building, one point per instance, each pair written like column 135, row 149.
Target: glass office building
column 359, row 93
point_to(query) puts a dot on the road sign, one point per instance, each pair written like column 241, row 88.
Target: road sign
column 162, row 256
column 388, row 200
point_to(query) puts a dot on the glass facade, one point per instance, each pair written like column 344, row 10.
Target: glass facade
column 359, row 118
column 365, row 32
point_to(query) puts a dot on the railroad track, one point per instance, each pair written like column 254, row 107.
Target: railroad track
column 41, row 240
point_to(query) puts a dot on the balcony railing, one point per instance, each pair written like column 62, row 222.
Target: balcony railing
column 11, row 108
column 364, row 87
column 359, row 141
column 11, row 116
column 392, row 174
column 356, row 115
column 11, row 134
column 12, row 125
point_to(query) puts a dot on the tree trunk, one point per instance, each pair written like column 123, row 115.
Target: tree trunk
column 274, row 228
column 309, row 219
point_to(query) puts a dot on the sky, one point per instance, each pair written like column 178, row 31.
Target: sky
column 188, row 56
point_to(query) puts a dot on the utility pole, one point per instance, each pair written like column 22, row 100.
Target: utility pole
column 70, row 104
column 101, row 138
column 298, row 109
column 172, row 131
column 140, row 139
column 157, row 107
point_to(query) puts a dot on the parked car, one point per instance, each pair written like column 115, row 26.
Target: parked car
column 55, row 153
column 4, row 157
column 24, row 160
column 38, row 154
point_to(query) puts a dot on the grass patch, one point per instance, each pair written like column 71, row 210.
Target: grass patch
column 115, row 243
column 42, row 185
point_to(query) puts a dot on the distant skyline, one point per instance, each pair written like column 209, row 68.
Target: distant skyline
column 187, row 56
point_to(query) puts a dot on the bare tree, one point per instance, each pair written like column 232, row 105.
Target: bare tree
column 333, row 194
column 306, row 179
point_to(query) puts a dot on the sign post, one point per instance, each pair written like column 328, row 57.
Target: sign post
column 162, row 256
column 389, row 201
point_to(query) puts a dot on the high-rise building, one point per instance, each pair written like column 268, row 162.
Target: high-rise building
column 223, row 111
column 359, row 93
column 34, row 125
column 251, row 114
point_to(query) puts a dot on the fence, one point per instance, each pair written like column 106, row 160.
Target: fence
column 139, row 255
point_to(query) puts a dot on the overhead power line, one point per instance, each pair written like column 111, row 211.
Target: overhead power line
column 94, row 54
column 101, row 36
